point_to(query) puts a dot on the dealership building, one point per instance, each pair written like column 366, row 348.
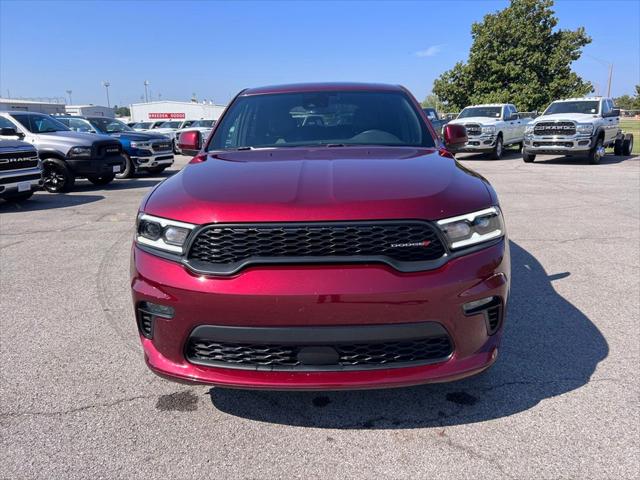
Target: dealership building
column 166, row 109
column 12, row 104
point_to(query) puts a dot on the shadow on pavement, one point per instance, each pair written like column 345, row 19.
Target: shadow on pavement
column 608, row 159
column 549, row 348
column 47, row 201
column 124, row 184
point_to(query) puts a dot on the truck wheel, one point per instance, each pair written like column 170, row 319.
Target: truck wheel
column 101, row 179
column 617, row 147
column 19, row 197
column 519, row 146
column 597, row 152
column 56, row 176
column 627, row 144
column 498, row 149
column 128, row 170
column 528, row 157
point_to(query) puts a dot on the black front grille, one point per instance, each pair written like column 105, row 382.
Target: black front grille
column 161, row 146
column 20, row 178
column 18, row 160
column 223, row 246
column 553, row 144
column 345, row 356
column 555, row 128
column 107, row 149
column 473, row 129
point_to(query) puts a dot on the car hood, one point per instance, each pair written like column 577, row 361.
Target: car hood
column 138, row 136
column 14, row 145
column 480, row 120
column 316, row 184
column 72, row 138
column 570, row 117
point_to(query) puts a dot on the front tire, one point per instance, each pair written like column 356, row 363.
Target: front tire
column 597, row 152
column 496, row 154
column 101, row 179
column 56, row 176
column 528, row 157
column 617, row 147
column 627, row 144
column 129, row 168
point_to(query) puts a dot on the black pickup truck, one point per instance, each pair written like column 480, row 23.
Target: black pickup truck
column 20, row 172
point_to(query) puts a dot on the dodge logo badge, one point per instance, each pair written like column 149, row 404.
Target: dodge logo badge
column 424, row 243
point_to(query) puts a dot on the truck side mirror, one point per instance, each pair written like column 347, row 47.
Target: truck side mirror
column 615, row 112
column 455, row 135
column 9, row 132
column 189, row 142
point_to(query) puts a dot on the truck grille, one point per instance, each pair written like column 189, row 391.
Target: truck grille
column 473, row 129
column 18, row 160
column 226, row 248
column 352, row 356
column 555, row 128
column 161, row 146
column 107, row 149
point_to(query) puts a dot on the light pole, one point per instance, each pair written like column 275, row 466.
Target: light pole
column 107, row 84
column 69, row 92
column 146, row 93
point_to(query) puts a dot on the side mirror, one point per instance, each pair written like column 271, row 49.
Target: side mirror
column 190, row 142
column 9, row 132
column 455, row 135
column 615, row 112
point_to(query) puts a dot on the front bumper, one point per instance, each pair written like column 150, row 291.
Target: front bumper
column 96, row 166
column 558, row 145
column 143, row 160
column 480, row 143
column 16, row 181
column 317, row 296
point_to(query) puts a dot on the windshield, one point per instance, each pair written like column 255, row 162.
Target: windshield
column 491, row 112
column 170, row 125
column 588, row 107
column 203, row 123
column 321, row 118
column 40, row 123
column 110, row 125
column 142, row 125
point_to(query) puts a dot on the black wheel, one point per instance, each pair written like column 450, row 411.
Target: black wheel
column 176, row 150
column 617, row 147
column 627, row 144
column 129, row 168
column 101, row 179
column 18, row 197
column 528, row 157
column 157, row 170
column 496, row 154
column 56, row 176
column 597, row 152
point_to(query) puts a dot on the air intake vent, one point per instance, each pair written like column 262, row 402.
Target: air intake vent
column 493, row 315
column 145, row 323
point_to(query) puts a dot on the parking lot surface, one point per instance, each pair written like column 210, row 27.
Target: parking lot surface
column 77, row 400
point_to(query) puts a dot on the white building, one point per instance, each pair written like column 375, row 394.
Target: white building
column 166, row 109
column 9, row 104
column 90, row 110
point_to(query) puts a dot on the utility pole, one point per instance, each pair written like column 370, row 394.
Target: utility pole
column 107, row 84
column 69, row 92
column 146, row 93
column 609, row 83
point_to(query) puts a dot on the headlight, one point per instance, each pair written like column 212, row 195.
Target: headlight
column 584, row 128
column 141, row 145
column 161, row 233
column 83, row 152
column 473, row 228
column 489, row 129
column 528, row 129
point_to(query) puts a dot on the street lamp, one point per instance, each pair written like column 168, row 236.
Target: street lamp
column 69, row 93
column 146, row 94
column 106, row 85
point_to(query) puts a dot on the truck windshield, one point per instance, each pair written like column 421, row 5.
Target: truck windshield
column 142, row 125
column 110, row 125
column 170, row 125
column 492, row 112
column 588, row 107
column 334, row 118
column 203, row 123
column 40, row 123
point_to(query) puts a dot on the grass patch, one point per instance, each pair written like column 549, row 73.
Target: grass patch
column 629, row 125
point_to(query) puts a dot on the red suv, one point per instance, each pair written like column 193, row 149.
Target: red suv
column 322, row 238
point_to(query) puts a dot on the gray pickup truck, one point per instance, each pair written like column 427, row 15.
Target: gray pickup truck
column 20, row 172
column 65, row 154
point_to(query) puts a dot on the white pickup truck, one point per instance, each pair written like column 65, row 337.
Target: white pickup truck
column 577, row 127
column 491, row 127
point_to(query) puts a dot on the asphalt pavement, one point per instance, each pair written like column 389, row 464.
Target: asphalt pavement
column 77, row 401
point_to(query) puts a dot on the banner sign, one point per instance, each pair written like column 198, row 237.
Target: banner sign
column 159, row 116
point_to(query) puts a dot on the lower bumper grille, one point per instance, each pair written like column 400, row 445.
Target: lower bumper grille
column 320, row 356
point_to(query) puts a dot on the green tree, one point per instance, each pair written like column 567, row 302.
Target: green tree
column 517, row 56
column 122, row 111
column 627, row 102
column 431, row 101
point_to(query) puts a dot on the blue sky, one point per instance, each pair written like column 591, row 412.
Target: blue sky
column 214, row 49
